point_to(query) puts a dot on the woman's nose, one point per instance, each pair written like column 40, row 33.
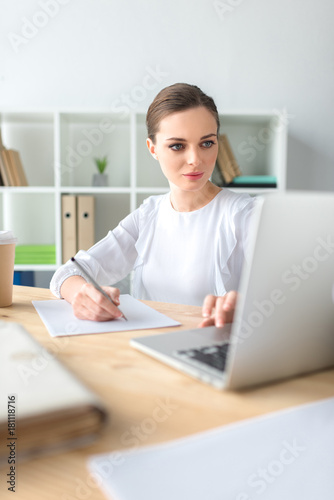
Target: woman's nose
column 194, row 157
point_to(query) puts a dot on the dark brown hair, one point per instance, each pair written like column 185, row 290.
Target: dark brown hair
column 177, row 97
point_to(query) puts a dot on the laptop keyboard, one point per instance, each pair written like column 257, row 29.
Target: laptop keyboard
column 213, row 355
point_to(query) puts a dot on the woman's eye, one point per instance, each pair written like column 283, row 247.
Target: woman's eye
column 208, row 144
column 176, row 147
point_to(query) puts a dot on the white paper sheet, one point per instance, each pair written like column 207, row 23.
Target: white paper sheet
column 286, row 455
column 58, row 317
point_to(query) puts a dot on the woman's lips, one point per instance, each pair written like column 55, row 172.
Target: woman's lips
column 194, row 175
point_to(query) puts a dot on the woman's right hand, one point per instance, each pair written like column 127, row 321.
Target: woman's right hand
column 89, row 303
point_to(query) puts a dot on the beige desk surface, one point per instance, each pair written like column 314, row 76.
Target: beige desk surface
column 133, row 386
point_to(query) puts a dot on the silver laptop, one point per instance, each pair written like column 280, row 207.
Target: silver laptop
column 284, row 320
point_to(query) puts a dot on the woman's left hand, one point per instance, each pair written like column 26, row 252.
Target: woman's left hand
column 218, row 310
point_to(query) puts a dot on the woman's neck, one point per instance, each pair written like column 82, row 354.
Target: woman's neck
column 188, row 201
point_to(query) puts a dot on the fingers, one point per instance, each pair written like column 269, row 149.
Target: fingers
column 207, row 322
column 220, row 315
column 113, row 293
column 208, row 305
column 90, row 304
column 213, row 311
column 218, row 310
column 230, row 301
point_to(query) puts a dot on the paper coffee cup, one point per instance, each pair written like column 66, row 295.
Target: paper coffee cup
column 7, row 257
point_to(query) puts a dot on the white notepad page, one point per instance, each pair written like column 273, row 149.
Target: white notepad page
column 288, row 455
column 58, row 317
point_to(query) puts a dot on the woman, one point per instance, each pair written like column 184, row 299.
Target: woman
column 187, row 246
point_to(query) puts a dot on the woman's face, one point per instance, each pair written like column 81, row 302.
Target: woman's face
column 186, row 147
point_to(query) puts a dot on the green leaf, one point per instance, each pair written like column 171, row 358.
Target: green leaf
column 101, row 163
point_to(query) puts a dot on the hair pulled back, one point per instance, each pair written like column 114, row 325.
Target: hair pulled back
column 177, row 97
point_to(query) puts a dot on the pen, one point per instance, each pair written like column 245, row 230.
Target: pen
column 93, row 282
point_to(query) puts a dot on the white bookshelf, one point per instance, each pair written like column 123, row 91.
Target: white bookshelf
column 57, row 148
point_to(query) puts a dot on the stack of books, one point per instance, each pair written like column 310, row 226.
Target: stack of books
column 228, row 174
column 51, row 412
column 11, row 169
column 35, row 254
column 226, row 161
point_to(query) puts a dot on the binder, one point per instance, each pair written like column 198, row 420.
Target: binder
column 85, row 221
column 69, row 226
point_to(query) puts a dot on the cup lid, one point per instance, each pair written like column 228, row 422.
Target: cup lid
column 7, row 238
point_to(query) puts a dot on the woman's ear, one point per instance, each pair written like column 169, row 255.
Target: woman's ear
column 151, row 148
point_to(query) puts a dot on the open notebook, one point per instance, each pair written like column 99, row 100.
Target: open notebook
column 43, row 406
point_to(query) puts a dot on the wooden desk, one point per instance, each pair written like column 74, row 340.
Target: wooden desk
column 148, row 401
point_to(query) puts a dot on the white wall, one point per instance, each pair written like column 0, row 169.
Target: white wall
column 252, row 54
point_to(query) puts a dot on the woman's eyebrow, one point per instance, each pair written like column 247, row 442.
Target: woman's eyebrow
column 184, row 140
column 207, row 136
column 176, row 139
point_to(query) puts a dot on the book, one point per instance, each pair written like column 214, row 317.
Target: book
column 4, row 180
column 223, row 162
column 3, row 169
column 262, row 181
column 21, row 179
column 10, row 168
column 35, row 254
column 1, row 147
column 24, row 278
column 7, row 168
column 45, row 408
column 69, row 226
column 232, row 159
column 13, row 169
column 217, row 177
column 226, row 160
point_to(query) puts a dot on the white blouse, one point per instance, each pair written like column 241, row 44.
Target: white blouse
column 177, row 257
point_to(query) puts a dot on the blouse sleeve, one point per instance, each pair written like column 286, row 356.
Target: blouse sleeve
column 109, row 260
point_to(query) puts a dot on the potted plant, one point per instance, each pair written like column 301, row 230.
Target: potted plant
column 101, row 179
